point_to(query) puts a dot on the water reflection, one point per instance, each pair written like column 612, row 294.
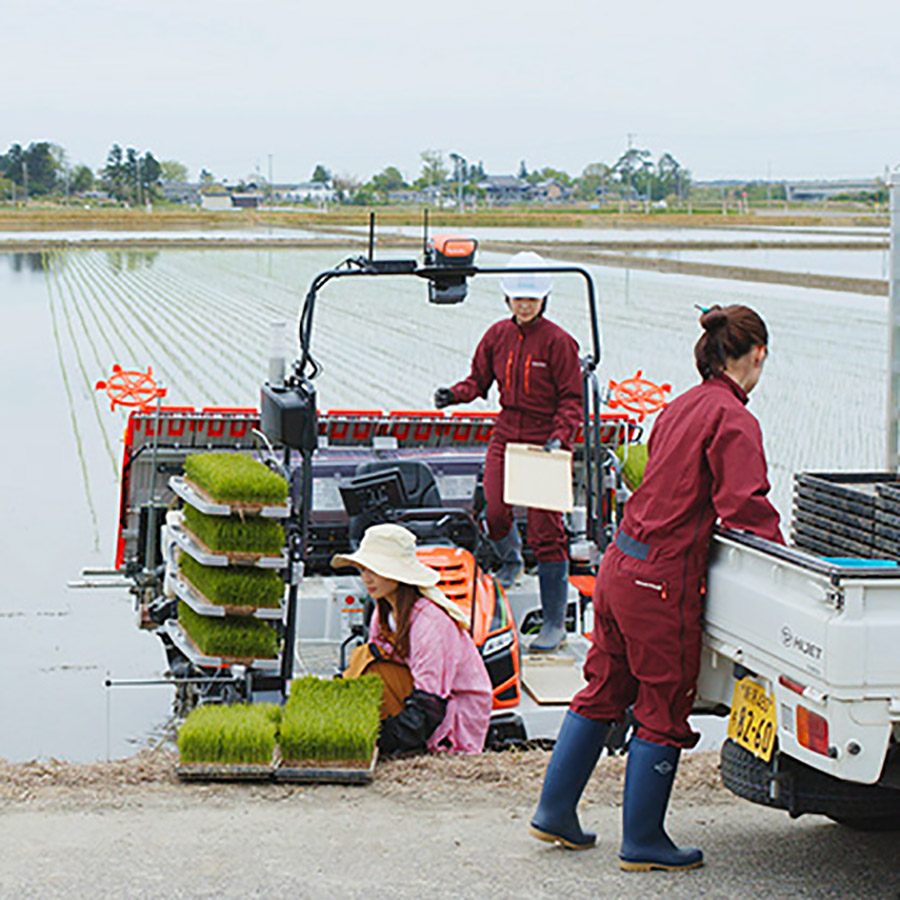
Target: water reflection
column 26, row 262
column 130, row 260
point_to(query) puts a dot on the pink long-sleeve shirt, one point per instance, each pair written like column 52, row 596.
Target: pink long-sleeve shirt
column 444, row 661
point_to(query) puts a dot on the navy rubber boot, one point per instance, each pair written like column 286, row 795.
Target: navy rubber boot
column 648, row 785
column 509, row 552
column 575, row 755
column 553, row 578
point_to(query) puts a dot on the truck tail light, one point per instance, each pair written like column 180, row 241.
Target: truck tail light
column 812, row 730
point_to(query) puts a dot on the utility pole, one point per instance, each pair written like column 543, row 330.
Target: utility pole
column 137, row 177
column 893, row 392
column 459, row 162
column 631, row 136
column 270, row 179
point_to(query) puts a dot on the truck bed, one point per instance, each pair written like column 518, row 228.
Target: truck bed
column 815, row 633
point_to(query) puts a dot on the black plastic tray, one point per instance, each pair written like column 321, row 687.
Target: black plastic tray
column 836, row 544
column 833, row 526
column 862, row 523
column 858, row 486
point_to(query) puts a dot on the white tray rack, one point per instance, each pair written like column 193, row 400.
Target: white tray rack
column 176, row 633
column 212, row 508
column 202, row 605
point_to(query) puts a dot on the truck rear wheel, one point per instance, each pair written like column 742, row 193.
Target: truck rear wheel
column 800, row 789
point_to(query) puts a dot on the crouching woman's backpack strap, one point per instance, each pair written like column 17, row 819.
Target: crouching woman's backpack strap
column 413, row 725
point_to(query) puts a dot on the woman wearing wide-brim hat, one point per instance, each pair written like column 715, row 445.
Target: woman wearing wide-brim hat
column 438, row 693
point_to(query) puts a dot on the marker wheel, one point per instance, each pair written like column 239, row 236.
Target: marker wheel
column 638, row 395
column 128, row 388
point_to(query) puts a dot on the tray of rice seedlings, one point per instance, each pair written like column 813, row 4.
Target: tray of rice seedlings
column 196, row 496
column 229, row 742
column 235, row 481
column 194, row 546
column 329, row 730
column 235, row 591
column 235, row 536
column 212, row 641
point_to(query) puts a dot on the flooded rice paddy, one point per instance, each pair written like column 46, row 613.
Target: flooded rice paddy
column 201, row 319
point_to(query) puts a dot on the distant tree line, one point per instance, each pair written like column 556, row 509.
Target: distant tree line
column 635, row 175
column 42, row 169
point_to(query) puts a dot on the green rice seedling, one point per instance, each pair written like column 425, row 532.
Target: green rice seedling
column 235, row 478
column 234, row 585
column 331, row 720
column 633, row 464
column 230, row 735
column 248, row 534
column 240, row 637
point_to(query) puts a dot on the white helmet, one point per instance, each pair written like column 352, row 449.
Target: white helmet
column 526, row 284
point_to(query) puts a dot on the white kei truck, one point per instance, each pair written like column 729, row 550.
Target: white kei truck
column 805, row 653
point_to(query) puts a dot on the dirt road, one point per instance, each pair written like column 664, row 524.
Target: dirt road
column 426, row 828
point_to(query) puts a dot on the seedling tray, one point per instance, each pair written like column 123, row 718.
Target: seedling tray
column 834, row 526
column 885, row 517
column 223, row 772
column 888, row 548
column 205, row 607
column 858, row 486
column 832, row 513
column 816, row 548
column 323, row 771
column 190, row 544
column 834, row 545
column 197, row 497
column 184, row 643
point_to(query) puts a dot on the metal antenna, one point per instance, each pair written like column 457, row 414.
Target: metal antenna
column 371, row 236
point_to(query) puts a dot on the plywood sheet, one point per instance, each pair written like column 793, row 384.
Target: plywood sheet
column 551, row 679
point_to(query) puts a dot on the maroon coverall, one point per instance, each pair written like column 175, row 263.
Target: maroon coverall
column 705, row 463
column 537, row 369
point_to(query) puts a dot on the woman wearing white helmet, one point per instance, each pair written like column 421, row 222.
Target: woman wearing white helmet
column 536, row 367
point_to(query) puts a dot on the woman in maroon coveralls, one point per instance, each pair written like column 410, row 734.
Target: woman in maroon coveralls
column 535, row 364
column 706, row 465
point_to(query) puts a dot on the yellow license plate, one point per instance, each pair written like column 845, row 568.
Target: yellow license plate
column 752, row 724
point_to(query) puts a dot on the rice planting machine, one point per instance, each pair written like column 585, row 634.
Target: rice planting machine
column 347, row 469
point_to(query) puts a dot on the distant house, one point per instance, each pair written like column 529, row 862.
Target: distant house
column 823, row 190
column 215, row 199
column 305, row 192
column 246, row 199
column 552, row 191
column 502, row 189
column 181, row 192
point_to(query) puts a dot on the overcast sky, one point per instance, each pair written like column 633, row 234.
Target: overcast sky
column 790, row 89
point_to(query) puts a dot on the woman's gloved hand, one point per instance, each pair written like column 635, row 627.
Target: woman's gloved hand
column 443, row 396
column 553, row 444
column 413, row 725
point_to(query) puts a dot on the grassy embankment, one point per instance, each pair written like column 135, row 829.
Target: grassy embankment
column 176, row 217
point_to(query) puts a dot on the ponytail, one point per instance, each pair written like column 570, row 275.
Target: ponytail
column 728, row 333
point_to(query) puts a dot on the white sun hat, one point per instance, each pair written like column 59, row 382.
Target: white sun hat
column 390, row 551
column 526, row 284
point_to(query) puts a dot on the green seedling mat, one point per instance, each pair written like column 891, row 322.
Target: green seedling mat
column 233, row 556
column 216, row 507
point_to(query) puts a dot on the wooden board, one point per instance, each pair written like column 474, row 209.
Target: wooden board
column 551, row 680
column 537, row 478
